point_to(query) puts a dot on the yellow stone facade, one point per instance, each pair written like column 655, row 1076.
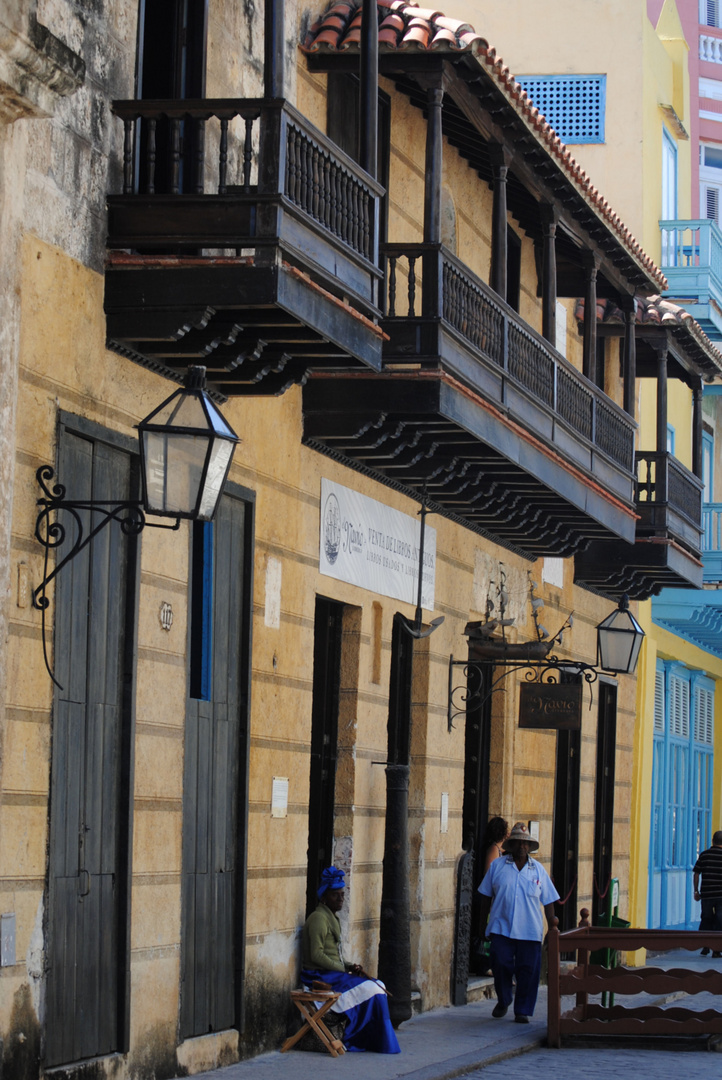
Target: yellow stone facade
column 63, row 367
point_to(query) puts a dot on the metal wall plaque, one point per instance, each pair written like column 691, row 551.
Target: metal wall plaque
column 550, row 705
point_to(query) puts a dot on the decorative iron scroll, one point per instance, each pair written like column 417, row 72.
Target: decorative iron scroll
column 472, row 694
column 53, row 533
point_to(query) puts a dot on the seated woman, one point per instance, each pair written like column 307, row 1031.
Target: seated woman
column 363, row 1000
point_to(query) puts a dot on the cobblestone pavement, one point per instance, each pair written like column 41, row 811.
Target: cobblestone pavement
column 607, row 1064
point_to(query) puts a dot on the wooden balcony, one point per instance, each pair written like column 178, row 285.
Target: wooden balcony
column 243, row 239
column 667, row 552
column 478, row 408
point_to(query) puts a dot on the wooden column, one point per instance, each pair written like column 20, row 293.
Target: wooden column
column 432, row 281
column 273, row 41
column 549, row 275
column 500, row 158
column 589, row 359
column 369, row 88
column 662, row 398
column 697, row 428
column 629, row 307
column 434, row 166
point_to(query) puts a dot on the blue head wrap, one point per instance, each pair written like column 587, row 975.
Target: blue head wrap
column 331, row 878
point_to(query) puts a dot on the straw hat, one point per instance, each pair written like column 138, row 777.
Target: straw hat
column 519, row 831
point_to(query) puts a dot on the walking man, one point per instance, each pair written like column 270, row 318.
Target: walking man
column 513, row 892
column 709, row 865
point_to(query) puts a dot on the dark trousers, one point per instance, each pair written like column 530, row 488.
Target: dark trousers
column 711, row 915
column 521, row 960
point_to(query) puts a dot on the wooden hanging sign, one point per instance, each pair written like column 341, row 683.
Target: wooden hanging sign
column 550, row 705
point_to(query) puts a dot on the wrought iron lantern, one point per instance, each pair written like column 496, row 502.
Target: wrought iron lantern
column 186, row 449
column 619, row 639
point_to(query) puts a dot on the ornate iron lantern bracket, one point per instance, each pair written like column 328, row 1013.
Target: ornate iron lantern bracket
column 53, row 533
column 473, row 694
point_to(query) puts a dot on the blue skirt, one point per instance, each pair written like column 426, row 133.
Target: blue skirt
column 368, row 1026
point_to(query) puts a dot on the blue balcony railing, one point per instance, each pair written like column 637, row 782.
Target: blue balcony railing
column 712, row 541
column 692, row 264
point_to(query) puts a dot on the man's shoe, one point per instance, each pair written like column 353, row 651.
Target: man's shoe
column 704, row 952
column 499, row 1010
column 716, row 955
column 519, row 1019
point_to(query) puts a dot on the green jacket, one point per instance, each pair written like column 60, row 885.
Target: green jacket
column 321, row 941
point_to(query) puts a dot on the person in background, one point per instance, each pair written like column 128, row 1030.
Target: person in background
column 496, row 833
column 513, row 892
column 709, row 866
column 363, row 999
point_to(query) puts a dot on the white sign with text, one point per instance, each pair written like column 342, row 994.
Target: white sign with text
column 366, row 543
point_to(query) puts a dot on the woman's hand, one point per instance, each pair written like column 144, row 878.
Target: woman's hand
column 355, row 969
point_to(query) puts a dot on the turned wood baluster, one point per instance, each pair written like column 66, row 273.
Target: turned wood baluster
column 128, row 158
column 304, row 173
column 151, row 154
column 356, row 234
column 175, row 156
column 412, row 286
column 324, row 195
column 344, row 230
column 223, row 159
column 364, row 222
column 200, row 156
column 392, row 286
column 247, row 154
column 333, row 188
column 291, row 166
column 315, row 188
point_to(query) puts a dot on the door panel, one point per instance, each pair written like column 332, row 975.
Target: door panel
column 90, row 810
column 210, row 967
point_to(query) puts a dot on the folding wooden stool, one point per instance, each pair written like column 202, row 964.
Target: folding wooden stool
column 313, row 1006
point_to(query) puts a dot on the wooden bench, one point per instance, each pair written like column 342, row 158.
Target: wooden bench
column 313, row 1006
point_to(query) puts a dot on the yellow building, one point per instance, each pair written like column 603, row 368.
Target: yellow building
column 200, row 719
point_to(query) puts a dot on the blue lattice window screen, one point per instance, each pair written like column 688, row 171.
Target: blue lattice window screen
column 573, row 105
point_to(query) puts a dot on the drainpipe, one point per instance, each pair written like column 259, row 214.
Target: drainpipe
column 368, row 95
column 273, row 41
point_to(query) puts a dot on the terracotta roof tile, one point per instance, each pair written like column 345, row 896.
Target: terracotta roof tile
column 657, row 311
column 403, row 25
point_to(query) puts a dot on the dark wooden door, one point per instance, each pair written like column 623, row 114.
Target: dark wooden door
column 565, row 841
column 604, row 798
column 214, row 788
column 477, row 741
column 90, row 789
column 324, row 741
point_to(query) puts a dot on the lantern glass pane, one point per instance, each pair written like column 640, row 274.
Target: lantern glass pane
column 185, row 410
column 218, row 461
column 615, row 649
column 174, row 468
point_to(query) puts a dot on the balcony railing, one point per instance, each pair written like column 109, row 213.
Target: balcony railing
column 221, row 174
column 710, row 48
column 692, row 263
column 428, row 279
column 669, row 499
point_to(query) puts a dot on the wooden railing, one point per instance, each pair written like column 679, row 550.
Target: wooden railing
column 248, row 150
column 425, row 279
column 663, row 480
column 712, row 541
column 588, row 980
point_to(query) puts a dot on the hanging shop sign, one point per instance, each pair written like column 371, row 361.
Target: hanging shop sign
column 365, row 543
column 550, row 705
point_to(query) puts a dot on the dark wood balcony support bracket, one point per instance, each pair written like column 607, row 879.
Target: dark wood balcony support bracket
column 549, row 274
column 500, row 161
column 273, row 43
column 589, row 360
column 368, row 91
column 629, row 307
column 697, row 395
column 662, row 398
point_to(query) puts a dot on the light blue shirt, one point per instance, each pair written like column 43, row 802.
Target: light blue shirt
column 517, row 898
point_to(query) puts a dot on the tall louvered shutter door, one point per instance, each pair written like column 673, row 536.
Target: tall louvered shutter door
column 712, row 204
column 89, row 811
